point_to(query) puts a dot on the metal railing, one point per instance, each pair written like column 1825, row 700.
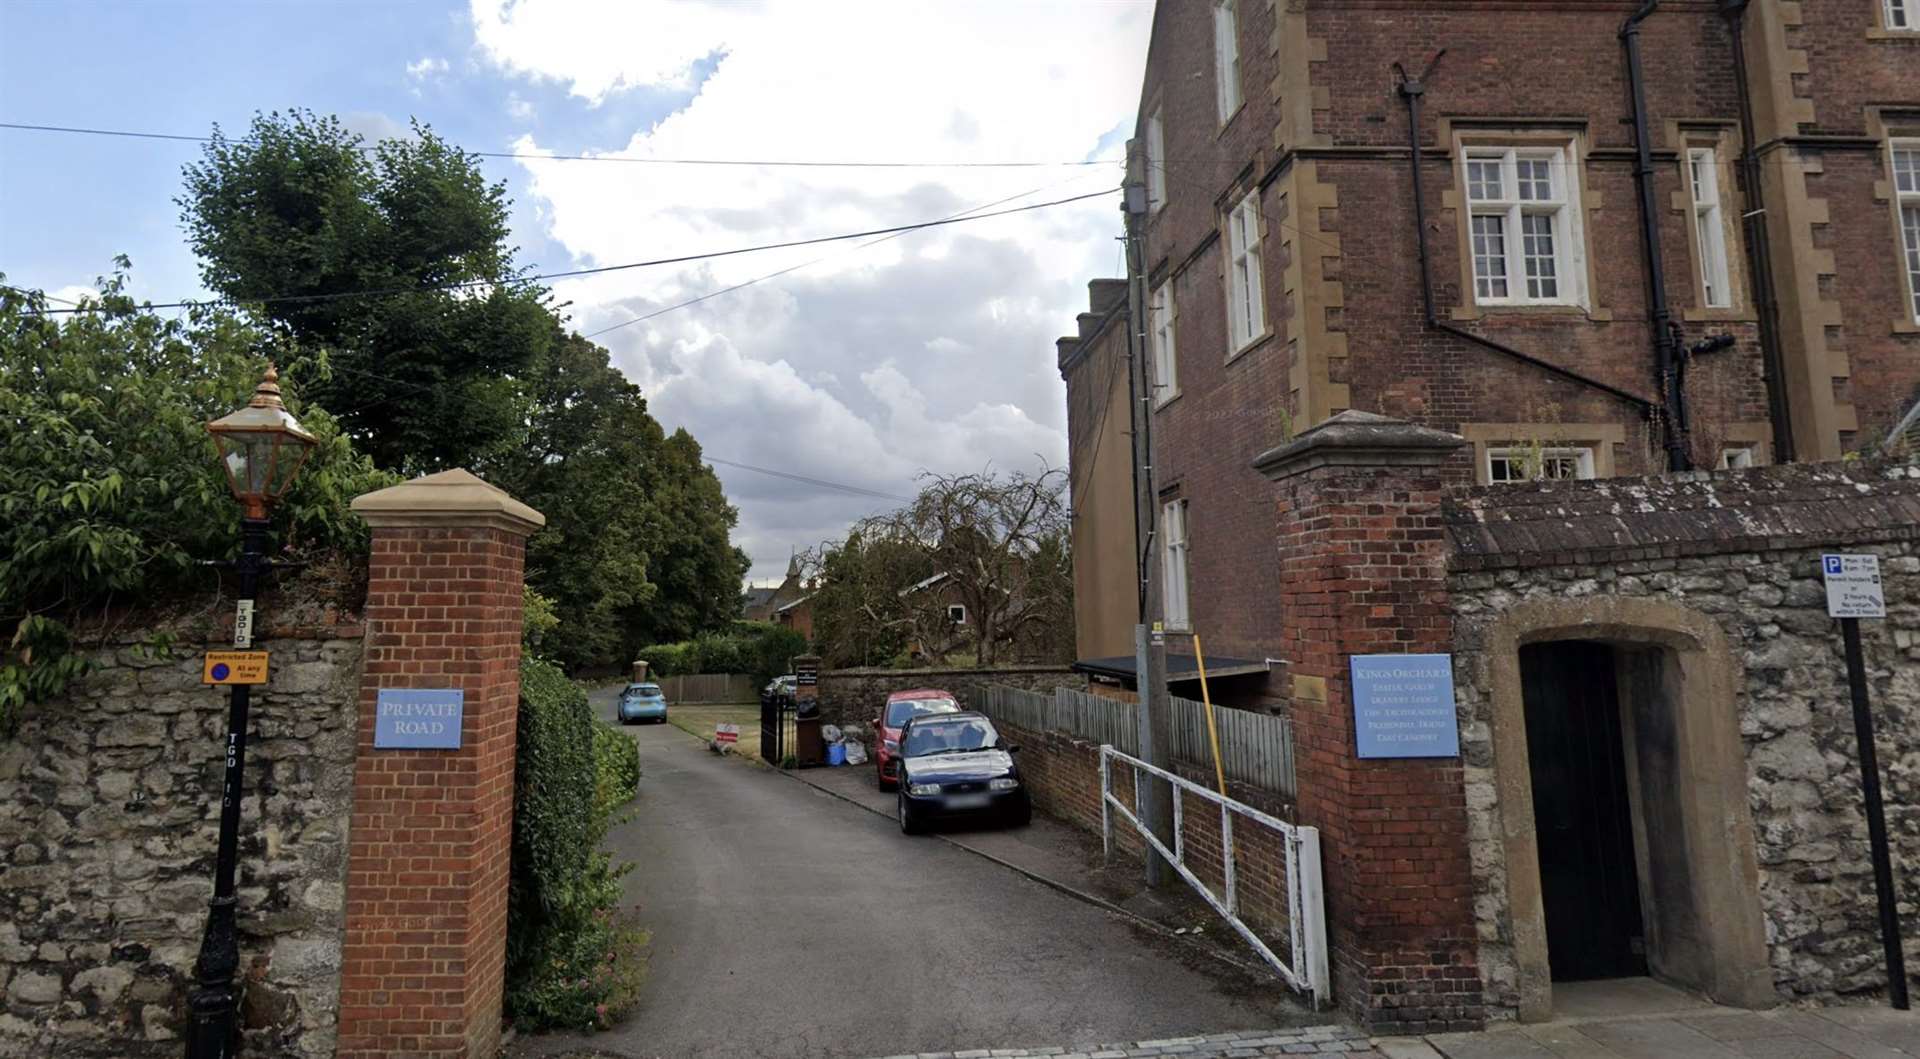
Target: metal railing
column 1305, row 967
column 1255, row 748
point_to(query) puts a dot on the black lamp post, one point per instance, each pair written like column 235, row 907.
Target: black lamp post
column 262, row 447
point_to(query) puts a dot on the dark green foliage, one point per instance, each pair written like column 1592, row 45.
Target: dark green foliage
column 616, row 764
column 573, row 960
column 297, row 213
column 760, row 649
column 636, row 546
column 110, row 487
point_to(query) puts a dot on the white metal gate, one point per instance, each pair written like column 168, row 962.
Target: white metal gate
column 1305, row 967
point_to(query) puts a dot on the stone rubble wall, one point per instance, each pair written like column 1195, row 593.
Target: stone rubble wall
column 109, row 814
column 1743, row 549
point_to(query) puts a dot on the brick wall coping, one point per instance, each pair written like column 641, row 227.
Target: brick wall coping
column 1358, row 439
column 450, row 498
column 1777, row 508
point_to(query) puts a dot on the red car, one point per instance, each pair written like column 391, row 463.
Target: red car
column 901, row 707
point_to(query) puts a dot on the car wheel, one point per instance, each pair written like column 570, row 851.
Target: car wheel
column 908, row 825
column 1022, row 816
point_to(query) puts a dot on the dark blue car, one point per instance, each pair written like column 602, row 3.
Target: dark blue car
column 954, row 766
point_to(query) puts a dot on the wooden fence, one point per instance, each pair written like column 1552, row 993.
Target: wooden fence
column 1255, row 748
column 698, row 688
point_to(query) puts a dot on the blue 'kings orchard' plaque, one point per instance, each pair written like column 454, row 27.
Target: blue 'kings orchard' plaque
column 418, row 718
column 1403, row 706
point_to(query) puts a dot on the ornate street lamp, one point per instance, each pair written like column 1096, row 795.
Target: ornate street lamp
column 262, row 447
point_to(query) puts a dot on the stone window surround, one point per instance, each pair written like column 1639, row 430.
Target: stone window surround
column 1568, row 135
column 1902, row 202
column 1239, row 202
column 1599, row 437
column 1883, row 27
column 1230, row 96
column 1163, row 323
column 1717, row 816
column 1169, row 546
column 1886, row 124
column 1155, row 137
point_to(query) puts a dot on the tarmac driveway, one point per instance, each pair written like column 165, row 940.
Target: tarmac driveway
column 788, row 923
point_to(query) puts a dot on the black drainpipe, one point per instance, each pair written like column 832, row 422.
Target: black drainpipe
column 1665, row 332
column 1411, row 89
column 1759, row 255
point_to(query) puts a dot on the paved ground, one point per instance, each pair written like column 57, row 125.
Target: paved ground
column 787, row 923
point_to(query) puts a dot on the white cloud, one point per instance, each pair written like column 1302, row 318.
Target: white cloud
column 517, row 108
column 933, row 351
column 426, row 68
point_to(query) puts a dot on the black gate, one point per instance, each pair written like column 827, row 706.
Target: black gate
column 777, row 730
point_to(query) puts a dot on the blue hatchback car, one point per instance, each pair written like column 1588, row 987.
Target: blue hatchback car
column 642, row 702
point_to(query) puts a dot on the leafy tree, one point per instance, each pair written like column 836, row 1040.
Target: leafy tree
column 110, row 487
column 637, row 546
column 997, row 544
column 301, row 213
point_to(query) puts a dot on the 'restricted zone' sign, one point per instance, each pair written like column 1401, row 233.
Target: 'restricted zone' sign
column 1403, row 706
column 418, row 718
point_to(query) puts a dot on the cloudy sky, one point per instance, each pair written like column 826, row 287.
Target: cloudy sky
column 865, row 365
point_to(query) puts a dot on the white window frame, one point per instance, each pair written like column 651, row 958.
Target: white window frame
column 1905, row 180
column 1710, row 227
column 1163, row 314
column 1246, row 304
column 1736, row 457
column 1226, row 57
column 961, row 619
column 1156, row 162
column 1581, row 457
column 1561, row 207
column 1901, row 16
column 1174, row 599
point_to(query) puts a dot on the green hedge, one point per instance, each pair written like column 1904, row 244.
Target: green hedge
column 616, row 770
column 573, row 960
column 760, row 649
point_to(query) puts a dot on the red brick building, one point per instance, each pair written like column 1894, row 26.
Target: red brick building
column 1284, row 264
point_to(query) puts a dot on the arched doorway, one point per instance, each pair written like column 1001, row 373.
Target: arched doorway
column 1622, row 803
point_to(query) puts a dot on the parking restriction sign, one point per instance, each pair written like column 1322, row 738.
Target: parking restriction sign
column 1853, row 586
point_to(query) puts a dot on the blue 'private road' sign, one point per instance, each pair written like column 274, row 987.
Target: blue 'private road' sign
column 418, row 719
column 1403, row 706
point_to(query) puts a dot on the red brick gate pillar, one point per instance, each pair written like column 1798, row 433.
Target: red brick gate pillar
column 432, row 820
column 1363, row 571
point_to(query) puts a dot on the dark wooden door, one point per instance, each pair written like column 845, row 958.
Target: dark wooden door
column 1582, row 820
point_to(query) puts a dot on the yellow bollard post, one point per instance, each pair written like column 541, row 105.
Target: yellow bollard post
column 1213, row 732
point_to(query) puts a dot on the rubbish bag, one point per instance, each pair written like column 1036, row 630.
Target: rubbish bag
column 830, row 734
column 856, row 753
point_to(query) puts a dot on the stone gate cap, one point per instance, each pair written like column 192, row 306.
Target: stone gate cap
column 1358, row 439
column 449, row 498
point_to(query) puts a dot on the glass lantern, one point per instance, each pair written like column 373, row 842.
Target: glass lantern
column 262, row 447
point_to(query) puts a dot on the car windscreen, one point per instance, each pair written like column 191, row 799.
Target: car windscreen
column 903, row 710
column 643, row 691
column 971, row 733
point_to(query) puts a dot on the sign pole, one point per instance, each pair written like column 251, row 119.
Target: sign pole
column 1876, row 816
column 215, row 998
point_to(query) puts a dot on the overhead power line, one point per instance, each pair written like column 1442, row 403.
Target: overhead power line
column 804, row 264
column 809, row 480
column 629, row 160
column 710, row 255
column 792, row 476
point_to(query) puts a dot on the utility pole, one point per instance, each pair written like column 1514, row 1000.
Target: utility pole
column 1155, row 711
